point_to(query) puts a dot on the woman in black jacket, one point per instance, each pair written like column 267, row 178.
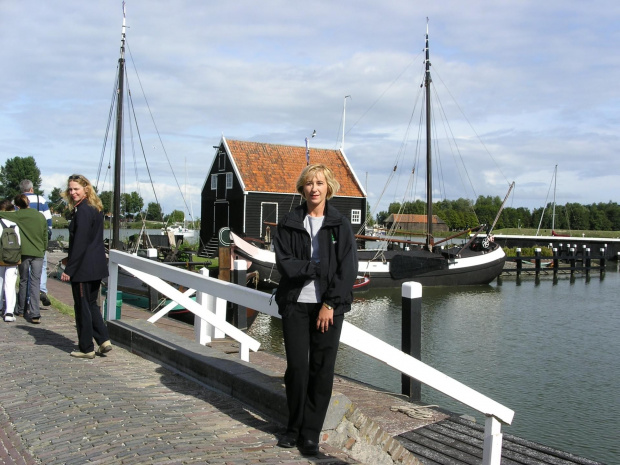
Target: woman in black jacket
column 86, row 266
column 316, row 257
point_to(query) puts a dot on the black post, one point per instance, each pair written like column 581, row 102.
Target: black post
column 240, row 272
column 412, row 335
column 556, row 262
column 602, row 261
column 588, row 261
column 537, row 261
column 519, row 262
column 571, row 260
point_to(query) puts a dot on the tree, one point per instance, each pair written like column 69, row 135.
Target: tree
column 381, row 217
column 153, row 212
column 14, row 171
column 106, row 200
column 131, row 203
column 56, row 203
column 176, row 216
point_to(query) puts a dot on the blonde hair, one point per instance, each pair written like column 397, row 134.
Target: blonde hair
column 310, row 171
column 89, row 190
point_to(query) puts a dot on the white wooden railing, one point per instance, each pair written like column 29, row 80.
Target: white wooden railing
column 209, row 309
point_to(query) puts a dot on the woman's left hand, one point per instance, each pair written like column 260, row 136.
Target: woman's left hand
column 326, row 318
column 65, row 277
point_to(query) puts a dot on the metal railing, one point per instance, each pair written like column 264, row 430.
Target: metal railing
column 210, row 322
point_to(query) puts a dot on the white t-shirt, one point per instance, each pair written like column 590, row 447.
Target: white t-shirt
column 310, row 293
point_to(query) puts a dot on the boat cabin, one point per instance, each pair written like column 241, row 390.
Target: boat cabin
column 251, row 185
column 411, row 222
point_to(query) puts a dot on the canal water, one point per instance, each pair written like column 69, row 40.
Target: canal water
column 546, row 349
column 124, row 234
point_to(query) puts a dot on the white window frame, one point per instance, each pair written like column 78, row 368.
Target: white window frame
column 214, row 182
column 356, row 216
column 229, row 180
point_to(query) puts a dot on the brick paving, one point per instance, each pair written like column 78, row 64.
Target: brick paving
column 55, row 409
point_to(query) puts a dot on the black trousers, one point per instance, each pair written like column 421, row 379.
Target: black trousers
column 309, row 376
column 88, row 319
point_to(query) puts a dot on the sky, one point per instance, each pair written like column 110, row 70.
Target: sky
column 531, row 85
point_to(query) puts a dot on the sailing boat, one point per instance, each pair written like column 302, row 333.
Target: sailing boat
column 127, row 283
column 479, row 261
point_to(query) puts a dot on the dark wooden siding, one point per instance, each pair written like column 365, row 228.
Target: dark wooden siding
column 256, row 205
column 287, row 202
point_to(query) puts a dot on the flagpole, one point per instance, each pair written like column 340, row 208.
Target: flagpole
column 308, row 148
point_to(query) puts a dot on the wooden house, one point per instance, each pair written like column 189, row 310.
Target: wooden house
column 250, row 184
column 410, row 222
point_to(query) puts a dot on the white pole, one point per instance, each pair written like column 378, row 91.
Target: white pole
column 344, row 114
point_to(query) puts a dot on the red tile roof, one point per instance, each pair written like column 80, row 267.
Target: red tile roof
column 275, row 168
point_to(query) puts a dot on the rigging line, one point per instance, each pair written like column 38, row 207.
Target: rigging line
column 436, row 74
column 142, row 147
column 545, row 207
column 452, row 143
column 133, row 148
column 157, row 131
column 107, row 130
column 383, row 93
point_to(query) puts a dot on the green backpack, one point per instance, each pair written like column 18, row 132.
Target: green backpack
column 10, row 249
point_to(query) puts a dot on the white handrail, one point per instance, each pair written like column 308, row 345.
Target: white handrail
column 154, row 272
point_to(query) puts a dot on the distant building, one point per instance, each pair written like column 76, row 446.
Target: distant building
column 251, row 185
column 410, row 222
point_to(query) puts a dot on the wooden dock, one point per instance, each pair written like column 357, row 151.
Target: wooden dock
column 458, row 441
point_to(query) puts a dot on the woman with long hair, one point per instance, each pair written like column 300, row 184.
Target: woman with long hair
column 86, row 265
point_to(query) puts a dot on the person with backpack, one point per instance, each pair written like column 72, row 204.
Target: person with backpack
column 33, row 235
column 38, row 203
column 10, row 257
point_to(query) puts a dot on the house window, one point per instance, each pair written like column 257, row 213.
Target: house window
column 356, row 216
column 221, row 160
column 214, row 182
column 229, row 181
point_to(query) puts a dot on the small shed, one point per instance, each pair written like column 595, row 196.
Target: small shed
column 411, row 222
column 251, row 185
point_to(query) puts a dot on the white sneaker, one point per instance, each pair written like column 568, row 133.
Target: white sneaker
column 9, row 317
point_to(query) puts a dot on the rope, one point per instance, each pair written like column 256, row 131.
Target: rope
column 419, row 412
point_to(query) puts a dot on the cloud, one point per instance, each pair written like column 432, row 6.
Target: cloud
column 536, row 82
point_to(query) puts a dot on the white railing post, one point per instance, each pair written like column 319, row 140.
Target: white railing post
column 492, row 451
column 112, row 287
column 200, row 326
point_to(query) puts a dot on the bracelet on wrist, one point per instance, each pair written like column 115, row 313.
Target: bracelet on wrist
column 328, row 307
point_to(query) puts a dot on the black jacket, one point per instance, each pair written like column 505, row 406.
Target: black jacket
column 87, row 261
column 337, row 269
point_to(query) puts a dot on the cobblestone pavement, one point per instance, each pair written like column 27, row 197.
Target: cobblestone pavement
column 55, row 409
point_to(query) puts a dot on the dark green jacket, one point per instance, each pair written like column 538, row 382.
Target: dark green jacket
column 32, row 230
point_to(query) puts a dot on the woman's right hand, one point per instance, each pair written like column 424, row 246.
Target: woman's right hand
column 65, row 277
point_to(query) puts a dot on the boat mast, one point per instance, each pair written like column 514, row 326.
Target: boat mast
column 429, row 173
column 116, row 201
column 555, row 182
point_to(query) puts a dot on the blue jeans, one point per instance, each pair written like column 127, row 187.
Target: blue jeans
column 43, row 284
column 35, row 265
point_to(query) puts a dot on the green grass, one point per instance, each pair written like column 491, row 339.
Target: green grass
column 62, row 308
